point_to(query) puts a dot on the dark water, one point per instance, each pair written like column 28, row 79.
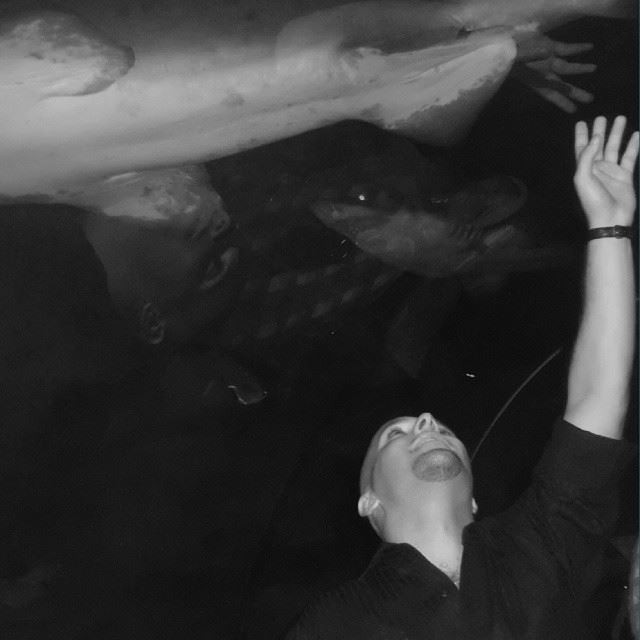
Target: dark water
column 165, row 508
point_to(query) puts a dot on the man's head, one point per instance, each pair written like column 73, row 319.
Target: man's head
column 415, row 468
column 166, row 284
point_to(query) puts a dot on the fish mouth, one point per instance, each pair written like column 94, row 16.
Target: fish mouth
column 218, row 267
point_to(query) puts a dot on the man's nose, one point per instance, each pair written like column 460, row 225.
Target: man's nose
column 424, row 422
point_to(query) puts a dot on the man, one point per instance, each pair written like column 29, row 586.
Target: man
column 439, row 574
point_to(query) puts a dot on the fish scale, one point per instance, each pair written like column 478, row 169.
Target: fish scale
column 272, row 307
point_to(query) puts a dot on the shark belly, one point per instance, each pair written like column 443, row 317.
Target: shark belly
column 208, row 106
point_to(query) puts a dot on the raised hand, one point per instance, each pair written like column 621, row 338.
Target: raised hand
column 604, row 178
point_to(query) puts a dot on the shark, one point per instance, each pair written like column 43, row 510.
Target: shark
column 114, row 106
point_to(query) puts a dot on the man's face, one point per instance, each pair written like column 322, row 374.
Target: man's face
column 411, row 459
column 189, row 280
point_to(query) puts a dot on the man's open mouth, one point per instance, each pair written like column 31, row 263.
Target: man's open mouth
column 437, row 465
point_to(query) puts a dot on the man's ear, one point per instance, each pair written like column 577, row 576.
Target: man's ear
column 368, row 503
column 474, row 506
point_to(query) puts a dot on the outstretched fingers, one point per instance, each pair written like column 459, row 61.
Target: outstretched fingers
column 612, row 148
column 603, row 180
column 571, row 48
column 565, row 68
column 589, row 155
column 599, row 130
column 587, row 150
column 537, row 47
column 597, row 150
column 581, row 138
column 630, row 155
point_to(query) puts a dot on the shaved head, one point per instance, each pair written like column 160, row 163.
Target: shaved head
column 414, row 464
column 366, row 471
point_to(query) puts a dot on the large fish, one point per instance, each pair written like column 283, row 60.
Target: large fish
column 108, row 105
column 437, row 234
column 394, row 210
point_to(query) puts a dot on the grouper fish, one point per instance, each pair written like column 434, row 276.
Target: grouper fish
column 111, row 106
column 393, row 210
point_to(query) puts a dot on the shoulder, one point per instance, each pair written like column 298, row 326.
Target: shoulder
column 572, row 501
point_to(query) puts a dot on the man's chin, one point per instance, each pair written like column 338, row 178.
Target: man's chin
column 437, row 465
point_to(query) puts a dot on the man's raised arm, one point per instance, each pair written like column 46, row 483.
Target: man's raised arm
column 598, row 390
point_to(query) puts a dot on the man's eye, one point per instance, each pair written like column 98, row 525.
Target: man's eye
column 393, row 432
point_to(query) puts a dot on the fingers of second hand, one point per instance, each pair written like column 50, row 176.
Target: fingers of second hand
column 564, row 67
column 580, row 95
column 553, row 83
column 557, row 98
column 571, row 48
